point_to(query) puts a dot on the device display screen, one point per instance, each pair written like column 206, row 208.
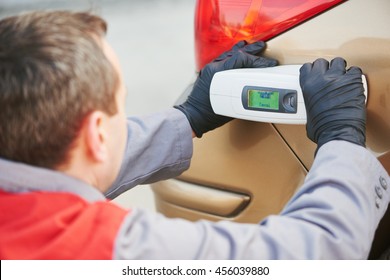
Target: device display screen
column 262, row 99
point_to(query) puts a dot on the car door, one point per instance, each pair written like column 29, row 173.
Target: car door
column 247, row 170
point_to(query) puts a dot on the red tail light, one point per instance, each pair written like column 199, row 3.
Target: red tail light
column 219, row 24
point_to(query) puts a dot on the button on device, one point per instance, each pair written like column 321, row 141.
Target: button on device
column 379, row 192
column 290, row 102
column 383, row 182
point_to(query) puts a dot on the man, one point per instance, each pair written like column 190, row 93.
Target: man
column 64, row 138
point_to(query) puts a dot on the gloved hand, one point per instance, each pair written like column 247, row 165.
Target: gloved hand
column 335, row 102
column 197, row 107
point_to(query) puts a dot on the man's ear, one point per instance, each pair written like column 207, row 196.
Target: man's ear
column 95, row 136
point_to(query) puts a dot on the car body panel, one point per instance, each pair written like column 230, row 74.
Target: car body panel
column 268, row 162
column 249, row 143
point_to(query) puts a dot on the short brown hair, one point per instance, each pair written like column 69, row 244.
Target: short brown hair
column 53, row 73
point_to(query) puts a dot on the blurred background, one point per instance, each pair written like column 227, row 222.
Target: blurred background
column 154, row 42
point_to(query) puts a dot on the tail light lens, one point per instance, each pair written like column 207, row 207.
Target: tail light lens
column 219, row 24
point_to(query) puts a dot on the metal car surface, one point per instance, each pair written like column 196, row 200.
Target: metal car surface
column 246, row 170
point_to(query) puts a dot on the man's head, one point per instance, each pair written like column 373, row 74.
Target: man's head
column 57, row 77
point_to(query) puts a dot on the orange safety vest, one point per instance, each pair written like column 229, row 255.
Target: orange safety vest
column 54, row 225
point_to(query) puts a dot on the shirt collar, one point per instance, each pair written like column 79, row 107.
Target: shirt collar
column 18, row 177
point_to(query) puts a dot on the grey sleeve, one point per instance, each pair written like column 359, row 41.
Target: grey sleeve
column 159, row 146
column 332, row 216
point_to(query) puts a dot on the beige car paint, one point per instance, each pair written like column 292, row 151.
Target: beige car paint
column 267, row 162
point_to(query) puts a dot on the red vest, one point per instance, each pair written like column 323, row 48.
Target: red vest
column 53, row 225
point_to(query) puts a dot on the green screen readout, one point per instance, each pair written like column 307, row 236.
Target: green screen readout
column 261, row 99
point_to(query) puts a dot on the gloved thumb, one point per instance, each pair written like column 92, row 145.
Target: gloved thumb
column 245, row 60
column 255, row 48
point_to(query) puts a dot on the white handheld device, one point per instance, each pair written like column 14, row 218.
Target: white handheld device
column 270, row 94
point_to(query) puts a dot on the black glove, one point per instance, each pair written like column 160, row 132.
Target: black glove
column 335, row 102
column 197, row 107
